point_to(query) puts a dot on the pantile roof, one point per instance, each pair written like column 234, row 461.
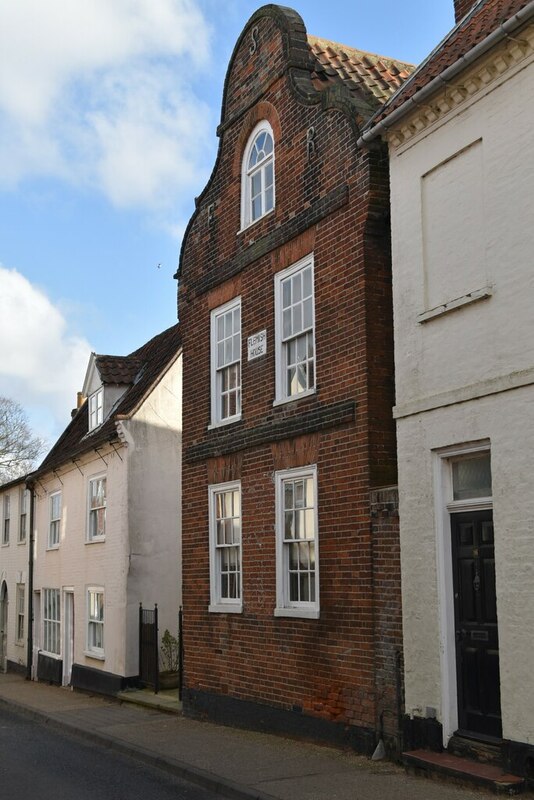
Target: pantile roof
column 144, row 367
column 485, row 17
column 376, row 77
column 117, row 369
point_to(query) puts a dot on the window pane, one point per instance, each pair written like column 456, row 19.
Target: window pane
column 269, row 202
column 287, row 329
column 297, row 318
column 268, row 175
column 307, row 313
column 286, row 293
column 268, row 144
column 256, row 208
column 297, row 287
column 471, row 477
column 289, row 525
column 255, row 185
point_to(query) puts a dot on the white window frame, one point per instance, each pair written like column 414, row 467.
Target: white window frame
column 247, row 175
column 23, row 515
column 20, row 622
column 54, row 527
column 96, row 409
column 281, row 342
column 284, row 606
column 216, row 373
column 90, row 511
column 93, row 621
column 219, row 604
column 51, row 613
column 6, row 519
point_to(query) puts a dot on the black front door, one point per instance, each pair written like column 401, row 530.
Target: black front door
column 477, row 643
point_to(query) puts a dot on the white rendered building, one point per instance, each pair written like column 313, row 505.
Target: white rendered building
column 107, row 520
column 461, row 142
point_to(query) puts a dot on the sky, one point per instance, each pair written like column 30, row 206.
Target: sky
column 108, row 116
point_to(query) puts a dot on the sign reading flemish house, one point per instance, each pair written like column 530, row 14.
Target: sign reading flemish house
column 257, row 345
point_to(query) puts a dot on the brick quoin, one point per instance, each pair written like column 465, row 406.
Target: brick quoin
column 334, row 677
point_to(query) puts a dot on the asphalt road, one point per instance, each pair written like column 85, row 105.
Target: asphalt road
column 38, row 762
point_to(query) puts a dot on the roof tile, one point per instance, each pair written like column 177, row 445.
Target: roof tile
column 374, row 77
column 142, row 368
column 484, row 18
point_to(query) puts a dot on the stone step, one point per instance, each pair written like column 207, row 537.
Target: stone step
column 486, row 752
column 463, row 771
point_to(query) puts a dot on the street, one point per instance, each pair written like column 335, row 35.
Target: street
column 37, row 761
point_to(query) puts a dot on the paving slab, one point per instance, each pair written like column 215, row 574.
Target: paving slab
column 244, row 765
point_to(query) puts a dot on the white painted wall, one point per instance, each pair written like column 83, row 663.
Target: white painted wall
column 481, row 353
column 78, row 564
column 495, row 336
column 140, row 559
column 154, row 456
column 14, row 570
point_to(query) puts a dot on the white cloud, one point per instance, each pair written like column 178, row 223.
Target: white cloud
column 42, row 363
column 97, row 92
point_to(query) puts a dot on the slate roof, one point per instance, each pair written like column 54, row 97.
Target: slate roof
column 376, row 77
column 144, row 367
column 485, row 17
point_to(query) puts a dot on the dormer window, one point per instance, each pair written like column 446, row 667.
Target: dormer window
column 96, row 409
column 257, row 195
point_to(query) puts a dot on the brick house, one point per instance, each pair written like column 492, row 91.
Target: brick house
column 460, row 136
column 290, row 552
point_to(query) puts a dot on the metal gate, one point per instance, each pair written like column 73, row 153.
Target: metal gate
column 148, row 647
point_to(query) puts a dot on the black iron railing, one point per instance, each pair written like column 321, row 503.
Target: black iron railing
column 148, row 647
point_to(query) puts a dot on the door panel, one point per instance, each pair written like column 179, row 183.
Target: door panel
column 477, row 644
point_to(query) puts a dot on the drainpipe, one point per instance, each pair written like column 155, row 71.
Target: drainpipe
column 29, row 656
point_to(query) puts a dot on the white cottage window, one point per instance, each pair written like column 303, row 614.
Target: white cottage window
column 225, row 547
column 96, row 409
column 257, row 179
column 226, row 363
column 295, row 331
column 297, row 545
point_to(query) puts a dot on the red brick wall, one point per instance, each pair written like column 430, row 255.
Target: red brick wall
column 461, row 7
column 333, row 204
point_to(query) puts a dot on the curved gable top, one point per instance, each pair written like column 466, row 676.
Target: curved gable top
column 319, row 72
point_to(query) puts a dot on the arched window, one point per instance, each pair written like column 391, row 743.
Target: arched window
column 258, row 175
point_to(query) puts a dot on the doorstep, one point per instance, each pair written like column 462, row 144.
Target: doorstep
column 463, row 771
column 166, row 700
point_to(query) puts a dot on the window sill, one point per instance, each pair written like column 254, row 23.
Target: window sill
column 305, row 613
column 52, row 547
column 247, row 226
column 223, row 608
column 215, row 425
column 19, row 643
column 96, row 656
column 96, row 540
column 56, row 656
column 22, row 542
column 282, row 401
column 5, row 544
column 458, row 302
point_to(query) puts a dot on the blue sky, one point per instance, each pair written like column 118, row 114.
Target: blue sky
column 108, row 111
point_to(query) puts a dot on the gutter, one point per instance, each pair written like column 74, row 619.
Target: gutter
column 444, row 78
column 29, row 656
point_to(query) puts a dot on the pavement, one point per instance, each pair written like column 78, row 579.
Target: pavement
column 234, row 763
